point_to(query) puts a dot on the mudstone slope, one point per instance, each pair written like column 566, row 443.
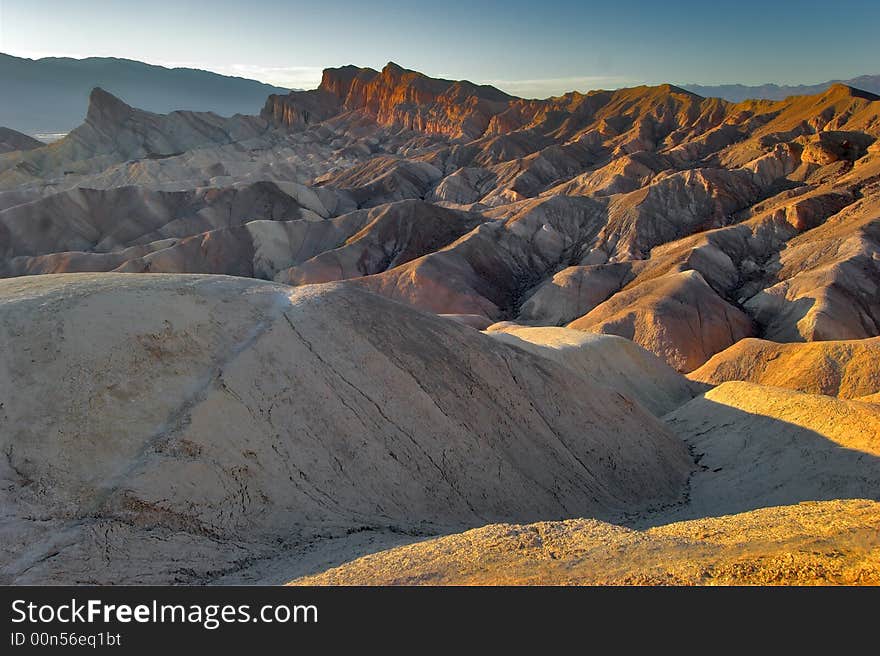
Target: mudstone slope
column 336, row 396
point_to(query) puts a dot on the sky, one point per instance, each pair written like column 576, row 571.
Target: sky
column 533, row 49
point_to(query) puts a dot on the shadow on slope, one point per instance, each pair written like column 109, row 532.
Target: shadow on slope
column 815, row 448
column 818, row 449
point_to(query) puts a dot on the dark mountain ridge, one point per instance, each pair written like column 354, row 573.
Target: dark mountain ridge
column 51, row 94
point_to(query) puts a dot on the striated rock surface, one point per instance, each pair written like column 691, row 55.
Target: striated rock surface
column 679, row 317
column 848, row 369
column 395, row 97
column 606, row 360
column 583, row 197
column 828, row 280
column 199, row 423
column 780, row 497
column 573, row 292
column 488, row 270
column 393, row 235
column 383, row 180
column 105, row 221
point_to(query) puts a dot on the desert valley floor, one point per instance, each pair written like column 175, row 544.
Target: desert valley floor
column 403, row 330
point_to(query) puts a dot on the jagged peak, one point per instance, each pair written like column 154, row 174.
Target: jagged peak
column 396, row 69
column 349, row 69
column 655, row 90
column 841, row 90
column 99, row 96
column 671, row 88
column 103, row 105
column 338, row 81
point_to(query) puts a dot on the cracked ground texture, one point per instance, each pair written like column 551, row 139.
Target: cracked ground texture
column 216, row 423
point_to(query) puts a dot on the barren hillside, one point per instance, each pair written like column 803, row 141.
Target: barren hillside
column 643, row 318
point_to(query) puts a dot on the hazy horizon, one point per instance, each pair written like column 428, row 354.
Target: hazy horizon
column 501, row 84
column 526, row 50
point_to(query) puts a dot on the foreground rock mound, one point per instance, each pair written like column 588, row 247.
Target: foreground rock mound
column 780, row 464
column 832, row 542
column 162, row 428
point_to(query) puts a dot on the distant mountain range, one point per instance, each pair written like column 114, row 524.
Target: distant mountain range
column 740, row 92
column 51, row 95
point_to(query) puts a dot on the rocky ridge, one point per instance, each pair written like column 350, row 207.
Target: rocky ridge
column 348, row 401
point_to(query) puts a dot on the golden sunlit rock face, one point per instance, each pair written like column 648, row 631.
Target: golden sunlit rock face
column 847, row 369
column 405, row 330
column 397, row 97
column 816, row 543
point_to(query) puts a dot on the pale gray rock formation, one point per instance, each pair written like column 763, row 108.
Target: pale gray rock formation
column 257, row 249
column 290, row 164
column 304, row 250
column 606, row 360
column 829, row 281
column 164, row 429
column 528, row 176
column 395, row 233
column 621, row 175
column 573, row 292
column 108, row 220
column 667, row 182
column 383, row 180
column 465, row 186
column 282, row 246
column 674, row 207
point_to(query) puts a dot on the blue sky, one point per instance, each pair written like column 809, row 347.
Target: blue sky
column 528, row 48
